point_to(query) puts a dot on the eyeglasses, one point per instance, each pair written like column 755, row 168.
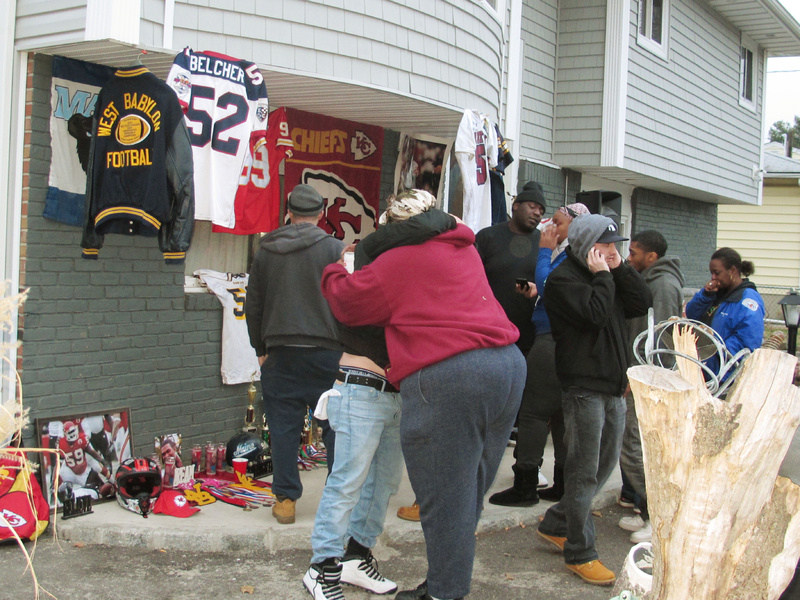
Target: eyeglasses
column 570, row 212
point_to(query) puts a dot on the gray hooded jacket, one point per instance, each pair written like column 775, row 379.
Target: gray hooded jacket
column 285, row 305
column 665, row 281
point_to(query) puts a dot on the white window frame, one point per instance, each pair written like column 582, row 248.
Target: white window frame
column 645, row 40
column 748, row 47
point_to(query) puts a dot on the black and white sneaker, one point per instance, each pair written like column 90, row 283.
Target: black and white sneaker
column 363, row 572
column 323, row 581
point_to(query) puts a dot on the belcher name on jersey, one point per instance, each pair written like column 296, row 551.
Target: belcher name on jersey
column 226, row 107
column 139, row 180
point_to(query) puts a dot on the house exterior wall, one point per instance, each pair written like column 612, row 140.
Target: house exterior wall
column 119, row 331
column 540, row 36
column 745, row 228
column 447, row 51
column 679, row 110
column 689, row 226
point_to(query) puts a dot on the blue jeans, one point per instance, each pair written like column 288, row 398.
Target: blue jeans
column 292, row 380
column 594, row 424
column 457, row 417
column 368, row 469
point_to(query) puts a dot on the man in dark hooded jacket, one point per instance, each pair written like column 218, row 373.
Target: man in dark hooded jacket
column 295, row 336
column 588, row 297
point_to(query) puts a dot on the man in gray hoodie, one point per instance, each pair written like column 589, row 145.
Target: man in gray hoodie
column 647, row 254
column 294, row 334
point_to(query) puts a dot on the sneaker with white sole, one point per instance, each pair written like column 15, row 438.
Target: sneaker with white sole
column 323, row 581
column 632, row 523
column 645, row 534
column 363, row 572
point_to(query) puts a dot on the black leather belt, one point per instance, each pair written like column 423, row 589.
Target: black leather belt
column 378, row 383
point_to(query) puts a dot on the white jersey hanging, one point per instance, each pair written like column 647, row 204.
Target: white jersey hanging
column 239, row 360
column 225, row 103
column 476, row 153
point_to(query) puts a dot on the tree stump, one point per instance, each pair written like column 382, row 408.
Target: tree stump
column 725, row 526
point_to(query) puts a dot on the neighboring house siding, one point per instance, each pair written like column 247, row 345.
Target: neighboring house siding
column 747, row 229
column 689, row 226
column 540, row 36
column 119, row 331
column 684, row 121
column 553, row 182
column 446, row 51
column 579, row 82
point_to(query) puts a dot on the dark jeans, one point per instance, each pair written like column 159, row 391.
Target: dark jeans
column 541, row 404
column 457, row 416
column 594, row 425
column 292, row 380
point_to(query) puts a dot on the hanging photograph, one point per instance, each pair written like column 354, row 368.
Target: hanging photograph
column 422, row 164
column 90, row 448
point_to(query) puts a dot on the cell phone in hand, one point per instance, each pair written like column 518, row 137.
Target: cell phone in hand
column 523, row 283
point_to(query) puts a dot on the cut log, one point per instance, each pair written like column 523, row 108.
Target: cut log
column 724, row 524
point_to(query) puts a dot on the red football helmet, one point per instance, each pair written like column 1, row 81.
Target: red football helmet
column 71, row 432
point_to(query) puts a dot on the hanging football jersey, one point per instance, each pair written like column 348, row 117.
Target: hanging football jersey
column 258, row 199
column 239, row 360
column 225, row 102
column 476, row 153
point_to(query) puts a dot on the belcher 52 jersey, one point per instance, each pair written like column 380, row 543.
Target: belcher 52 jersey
column 225, row 101
column 139, row 178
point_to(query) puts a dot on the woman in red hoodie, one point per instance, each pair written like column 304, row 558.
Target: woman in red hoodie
column 460, row 376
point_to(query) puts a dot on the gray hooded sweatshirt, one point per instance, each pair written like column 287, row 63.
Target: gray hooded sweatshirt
column 665, row 281
column 285, row 305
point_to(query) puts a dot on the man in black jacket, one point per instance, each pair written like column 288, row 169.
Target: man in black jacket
column 588, row 297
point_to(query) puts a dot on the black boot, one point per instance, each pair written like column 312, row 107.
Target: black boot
column 524, row 491
column 554, row 493
column 419, row 593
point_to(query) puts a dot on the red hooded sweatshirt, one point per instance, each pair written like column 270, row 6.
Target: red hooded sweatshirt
column 432, row 299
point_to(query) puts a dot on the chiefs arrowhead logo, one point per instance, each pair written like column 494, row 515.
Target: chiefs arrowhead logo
column 13, row 519
column 361, row 146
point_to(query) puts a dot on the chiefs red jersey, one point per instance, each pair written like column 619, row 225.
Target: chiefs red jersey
column 74, row 454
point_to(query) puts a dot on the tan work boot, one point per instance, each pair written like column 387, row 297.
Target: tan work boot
column 409, row 513
column 558, row 542
column 593, row 572
column 283, row 511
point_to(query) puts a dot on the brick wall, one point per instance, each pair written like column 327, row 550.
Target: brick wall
column 553, row 183
column 690, row 227
column 119, row 331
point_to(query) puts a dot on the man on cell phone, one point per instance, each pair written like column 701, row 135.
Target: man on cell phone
column 588, row 297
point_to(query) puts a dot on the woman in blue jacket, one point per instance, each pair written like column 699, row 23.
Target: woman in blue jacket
column 730, row 304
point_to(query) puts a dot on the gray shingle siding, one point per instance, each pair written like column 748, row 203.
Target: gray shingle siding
column 680, row 110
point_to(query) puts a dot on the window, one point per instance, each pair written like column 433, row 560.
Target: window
column 653, row 31
column 747, row 73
